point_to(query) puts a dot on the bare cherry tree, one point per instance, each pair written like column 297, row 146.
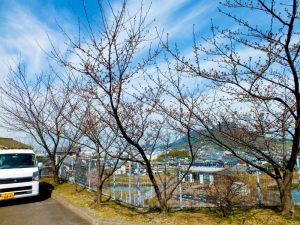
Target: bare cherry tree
column 256, row 108
column 95, row 126
column 36, row 107
column 228, row 192
column 114, row 58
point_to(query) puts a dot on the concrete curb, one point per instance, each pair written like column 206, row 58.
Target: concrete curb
column 87, row 215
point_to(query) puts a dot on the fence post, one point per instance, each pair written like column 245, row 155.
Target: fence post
column 138, row 188
column 298, row 165
column 56, row 161
column 258, row 189
column 191, row 177
column 152, row 190
column 180, row 189
column 114, row 187
column 72, row 166
column 89, row 174
column 129, row 184
column 61, row 165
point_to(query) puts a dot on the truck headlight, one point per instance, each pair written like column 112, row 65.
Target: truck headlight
column 35, row 176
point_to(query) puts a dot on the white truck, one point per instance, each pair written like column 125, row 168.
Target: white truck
column 19, row 174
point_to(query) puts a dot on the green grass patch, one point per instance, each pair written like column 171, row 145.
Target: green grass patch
column 117, row 211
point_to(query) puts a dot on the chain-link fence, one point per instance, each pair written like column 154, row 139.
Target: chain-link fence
column 46, row 171
column 130, row 184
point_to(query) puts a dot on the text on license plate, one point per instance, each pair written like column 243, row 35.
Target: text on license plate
column 7, row 195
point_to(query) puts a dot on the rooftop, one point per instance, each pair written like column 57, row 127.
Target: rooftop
column 9, row 143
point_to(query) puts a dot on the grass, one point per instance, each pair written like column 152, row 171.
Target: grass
column 117, row 211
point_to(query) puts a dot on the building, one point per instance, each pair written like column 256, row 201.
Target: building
column 202, row 174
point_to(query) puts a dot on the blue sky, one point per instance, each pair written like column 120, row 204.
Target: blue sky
column 25, row 26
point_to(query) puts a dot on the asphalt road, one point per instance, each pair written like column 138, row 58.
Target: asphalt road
column 41, row 210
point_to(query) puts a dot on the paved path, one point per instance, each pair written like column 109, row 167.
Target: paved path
column 41, row 210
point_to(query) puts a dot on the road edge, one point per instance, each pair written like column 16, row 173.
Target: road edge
column 87, row 215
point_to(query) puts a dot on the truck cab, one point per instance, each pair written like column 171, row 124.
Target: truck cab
column 19, row 174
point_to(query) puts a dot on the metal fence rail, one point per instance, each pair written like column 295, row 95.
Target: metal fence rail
column 133, row 187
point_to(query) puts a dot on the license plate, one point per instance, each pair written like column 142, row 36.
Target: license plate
column 7, row 195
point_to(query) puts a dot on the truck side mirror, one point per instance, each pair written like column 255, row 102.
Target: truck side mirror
column 40, row 165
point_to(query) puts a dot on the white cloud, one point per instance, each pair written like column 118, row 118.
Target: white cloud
column 173, row 17
column 23, row 37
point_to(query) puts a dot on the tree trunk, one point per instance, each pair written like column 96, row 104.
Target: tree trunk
column 285, row 187
column 161, row 200
column 99, row 180
column 54, row 172
column 163, row 209
column 164, row 206
column 99, row 194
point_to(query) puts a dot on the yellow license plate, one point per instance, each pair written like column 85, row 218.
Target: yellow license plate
column 7, row 195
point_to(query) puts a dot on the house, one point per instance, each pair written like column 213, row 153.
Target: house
column 202, row 173
column 128, row 168
column 73, row 152
column 121, row 170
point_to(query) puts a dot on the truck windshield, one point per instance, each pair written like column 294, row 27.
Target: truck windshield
column 10, row 161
